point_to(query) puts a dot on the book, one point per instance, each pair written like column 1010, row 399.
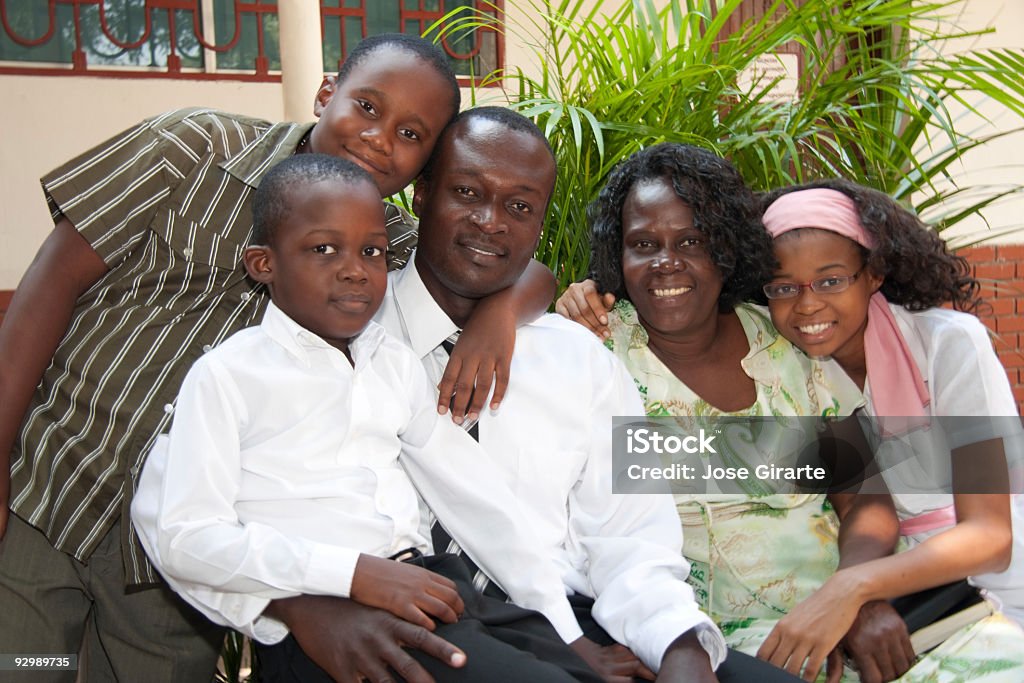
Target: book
column 935, row 634
column 937, row 613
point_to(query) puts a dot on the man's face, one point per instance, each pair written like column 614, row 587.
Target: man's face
column 482, row 210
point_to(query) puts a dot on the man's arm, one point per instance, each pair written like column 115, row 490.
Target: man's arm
column 472, row 499
column 634, row 542
column 686, row 660
column 38, row 317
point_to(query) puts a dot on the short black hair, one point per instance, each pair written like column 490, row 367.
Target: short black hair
column 919, row 270
column 725, row 211
column 504, row 116
column 271, row 204
column 421, row 48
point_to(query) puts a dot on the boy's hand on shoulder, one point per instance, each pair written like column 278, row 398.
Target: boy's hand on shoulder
column 615, row 663
column 482, row 356
column 353, row 642
column 407, row 591
column 686, row 660
column 582, row 303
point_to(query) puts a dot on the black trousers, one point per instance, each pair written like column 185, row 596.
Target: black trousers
column 503, row 643
column 737, row 667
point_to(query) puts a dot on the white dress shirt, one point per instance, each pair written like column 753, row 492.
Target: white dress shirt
column 964, row 377
column 284, row 463
column 552, row 439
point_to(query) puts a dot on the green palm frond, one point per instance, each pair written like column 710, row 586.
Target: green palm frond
column 876, row 104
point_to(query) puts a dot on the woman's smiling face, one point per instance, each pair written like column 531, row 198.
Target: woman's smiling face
column 667, row 271
column 823, row 324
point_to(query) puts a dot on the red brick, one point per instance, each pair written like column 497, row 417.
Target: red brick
column 1018, row 393
column 978, row 254
column 1020, row 271
column 987, row 291
column 1002, row 306
column 1010, row 252
column 1013, row 323
column 995, row 271
column 1011, row 358
column 1006, row 342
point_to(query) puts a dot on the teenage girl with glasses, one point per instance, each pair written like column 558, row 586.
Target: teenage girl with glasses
column 860, row 281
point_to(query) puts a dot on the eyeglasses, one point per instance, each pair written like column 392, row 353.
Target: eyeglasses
column 830, row 284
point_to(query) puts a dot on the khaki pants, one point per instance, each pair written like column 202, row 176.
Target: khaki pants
column 50, row 603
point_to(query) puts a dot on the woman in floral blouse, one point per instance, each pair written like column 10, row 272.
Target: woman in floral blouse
column 678, row 241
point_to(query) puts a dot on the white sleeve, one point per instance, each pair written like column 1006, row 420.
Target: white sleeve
column 634, row 544
column 966, row 379
column 469, row 495
column 184, row 512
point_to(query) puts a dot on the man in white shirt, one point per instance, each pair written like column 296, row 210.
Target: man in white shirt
column 481, row 202
column 287, row 469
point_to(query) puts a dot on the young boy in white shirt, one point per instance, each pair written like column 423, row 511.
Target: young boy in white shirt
column 288, row 469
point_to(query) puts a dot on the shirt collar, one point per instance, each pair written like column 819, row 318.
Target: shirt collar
column 765, row 342
column 256, row 158
column 761, row 336
column 306, row 346
column 426, row 324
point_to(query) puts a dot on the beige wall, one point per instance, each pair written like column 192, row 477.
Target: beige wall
column 46, row 120
column 1000, row 162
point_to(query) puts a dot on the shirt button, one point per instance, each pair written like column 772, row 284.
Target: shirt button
column 246, row 296
column 134, row 469
column 187, row 252
column 206, row 348
column 168, row 408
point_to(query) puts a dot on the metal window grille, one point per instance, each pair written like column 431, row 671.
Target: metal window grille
column 214, row 39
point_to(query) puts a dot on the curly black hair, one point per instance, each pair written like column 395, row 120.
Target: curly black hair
column 918, row 269
column 725, row 211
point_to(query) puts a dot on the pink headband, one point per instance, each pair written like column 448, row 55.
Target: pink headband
column 818, row 208
column 897, row 389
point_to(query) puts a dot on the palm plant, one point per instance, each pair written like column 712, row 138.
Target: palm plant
column 876, row 96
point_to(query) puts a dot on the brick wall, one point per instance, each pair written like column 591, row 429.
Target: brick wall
column 1001, row 271
column 1000, row 268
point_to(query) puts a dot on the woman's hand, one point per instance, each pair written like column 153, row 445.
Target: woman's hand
column 582, row 303
column 802, row 640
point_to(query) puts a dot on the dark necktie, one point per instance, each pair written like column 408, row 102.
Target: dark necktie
column 442, row 540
